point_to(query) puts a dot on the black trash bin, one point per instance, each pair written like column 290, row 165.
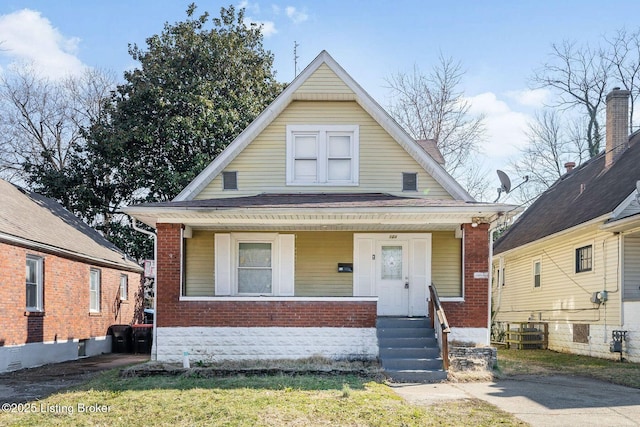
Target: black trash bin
column 121, row 340
column 142, row 338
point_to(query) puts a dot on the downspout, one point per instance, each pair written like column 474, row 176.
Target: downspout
column 490, row 267
column 134, row 224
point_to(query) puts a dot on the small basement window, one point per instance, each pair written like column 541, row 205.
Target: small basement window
column 230, row 180
column 409, row 181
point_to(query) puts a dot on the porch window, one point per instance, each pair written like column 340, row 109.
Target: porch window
column 322, row 155
column 255, row 274
column 35, row 283
column 584, row 259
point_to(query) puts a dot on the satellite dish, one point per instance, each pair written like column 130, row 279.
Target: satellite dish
column 504, row 181
column 505, row 184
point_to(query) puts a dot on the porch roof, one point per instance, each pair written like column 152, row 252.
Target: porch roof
column 360, row 211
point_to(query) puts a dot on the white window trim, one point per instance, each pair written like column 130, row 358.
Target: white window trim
column 322, row 159
column 236, row 239
column 124, row 297
column 533, row 273
column 99, row 290
column 39, row 283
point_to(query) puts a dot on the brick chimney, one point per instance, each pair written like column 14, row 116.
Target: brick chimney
column 617, row 134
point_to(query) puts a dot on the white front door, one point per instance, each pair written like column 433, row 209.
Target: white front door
column 394, row 267
column 392, row 278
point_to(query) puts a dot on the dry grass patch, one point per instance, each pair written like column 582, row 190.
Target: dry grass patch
column 275, row 400
column 546, row 362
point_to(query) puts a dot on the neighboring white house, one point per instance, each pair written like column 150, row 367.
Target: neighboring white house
column 573, row 258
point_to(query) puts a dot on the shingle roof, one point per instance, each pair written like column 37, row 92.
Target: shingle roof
column 587, row 192
column 317, row 200
column 431, row 147
column 36, row 220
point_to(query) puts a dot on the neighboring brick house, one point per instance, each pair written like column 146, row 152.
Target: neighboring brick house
column 62, row 285
column 320, row 217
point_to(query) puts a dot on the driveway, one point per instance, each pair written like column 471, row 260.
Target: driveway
column 37, row 383
column 542, row 400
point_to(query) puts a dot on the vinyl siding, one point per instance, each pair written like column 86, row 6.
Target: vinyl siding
column 631, row 268
column 317, row 255
column 563, row 296
column 446, row 264
column 199, row 274
column 323, row 81
column 261, row 166
column 317, row 258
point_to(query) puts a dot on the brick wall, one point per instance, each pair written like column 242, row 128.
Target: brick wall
column 173, row 312
column 473, row 312
column 65, row 299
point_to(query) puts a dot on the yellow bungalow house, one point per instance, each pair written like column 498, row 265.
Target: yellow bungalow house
column 572, row 260
column 320, row 217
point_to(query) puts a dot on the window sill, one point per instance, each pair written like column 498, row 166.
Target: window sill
column 34, row 313
column 95, row 314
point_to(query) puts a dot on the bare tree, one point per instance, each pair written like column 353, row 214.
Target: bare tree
column 552, row 142
column 624, row 58
column 579, row 74
column 432, row 106
column 41, row 120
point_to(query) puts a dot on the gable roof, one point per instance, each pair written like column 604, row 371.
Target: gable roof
column 31, row 220
column 588, row 192
column 359, row 95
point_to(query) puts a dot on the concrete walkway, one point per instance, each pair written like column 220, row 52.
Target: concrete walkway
column 541, row 400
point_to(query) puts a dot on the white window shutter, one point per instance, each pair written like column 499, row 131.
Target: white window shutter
column 223, row 264
column 286, row 261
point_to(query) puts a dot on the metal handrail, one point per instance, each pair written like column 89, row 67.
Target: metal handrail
column 436, row 309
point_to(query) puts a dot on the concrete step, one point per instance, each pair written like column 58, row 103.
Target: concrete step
column 409, row 353
column 414, row 342
column 406, row 332
column 403, row 322
column 416, row 375
column 412, row 364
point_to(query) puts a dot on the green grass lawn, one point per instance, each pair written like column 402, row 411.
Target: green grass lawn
column 279, row 400
column 546, row 362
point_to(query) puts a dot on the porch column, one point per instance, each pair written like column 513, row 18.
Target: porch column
column 473, row 312
column 168, row 273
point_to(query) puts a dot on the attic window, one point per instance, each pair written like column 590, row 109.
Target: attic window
column 409, row 181
column 230, row 180
column 322, row 154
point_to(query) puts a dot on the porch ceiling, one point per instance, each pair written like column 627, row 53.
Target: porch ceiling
column 315, row 221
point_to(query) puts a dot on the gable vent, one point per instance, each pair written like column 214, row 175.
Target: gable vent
column 230, row 180
column 409, row 181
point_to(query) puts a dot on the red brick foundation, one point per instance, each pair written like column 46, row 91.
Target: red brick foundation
column 173, row 312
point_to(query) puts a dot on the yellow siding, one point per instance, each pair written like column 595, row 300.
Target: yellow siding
column 317, row 258
column 446, row 263
column 323, row 80
column 261, row 166
column 563, row 295
column 199, row 274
